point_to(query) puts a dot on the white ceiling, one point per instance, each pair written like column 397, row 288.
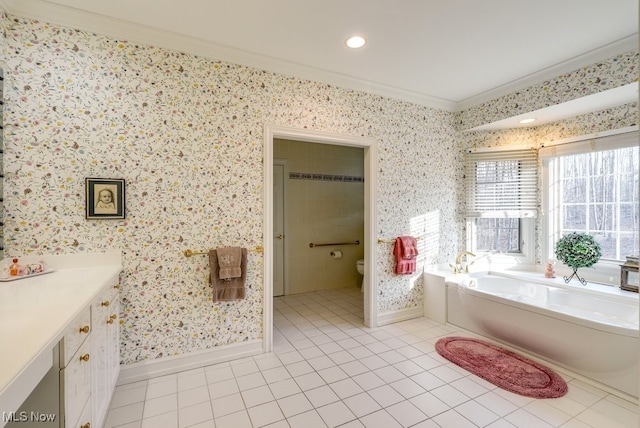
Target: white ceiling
column 449, row 54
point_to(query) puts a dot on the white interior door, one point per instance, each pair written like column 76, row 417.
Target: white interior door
column 278, row 229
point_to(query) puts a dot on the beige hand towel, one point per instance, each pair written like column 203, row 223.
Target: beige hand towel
column 230, row 288
column 229, row 259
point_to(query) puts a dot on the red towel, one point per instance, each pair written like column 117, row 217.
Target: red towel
column 405, row 251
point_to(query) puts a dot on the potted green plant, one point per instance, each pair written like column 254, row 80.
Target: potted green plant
column 577, row 250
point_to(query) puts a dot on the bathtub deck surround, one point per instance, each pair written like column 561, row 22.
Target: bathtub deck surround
column 556, row 322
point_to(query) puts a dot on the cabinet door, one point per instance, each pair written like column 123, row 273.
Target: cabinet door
column 85, row 417
column 74, row 335
column 105, row 326
column 114, row 339
column 76, row 383
column 100, row 311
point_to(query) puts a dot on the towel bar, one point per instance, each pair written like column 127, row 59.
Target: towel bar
column 391, row 241
column 189, row 253
column 311, row 245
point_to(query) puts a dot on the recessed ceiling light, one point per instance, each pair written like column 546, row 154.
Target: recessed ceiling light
column 356, row 42
column 529, row 120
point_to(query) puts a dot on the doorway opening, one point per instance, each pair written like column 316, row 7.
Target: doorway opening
column 318, row 217
column 270, row 238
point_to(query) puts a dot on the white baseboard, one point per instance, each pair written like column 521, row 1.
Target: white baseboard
column 401, row 315
column 148, row 369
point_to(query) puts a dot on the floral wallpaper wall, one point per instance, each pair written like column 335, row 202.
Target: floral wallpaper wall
column 617, row 71
column 186, row 133
column 612, row 73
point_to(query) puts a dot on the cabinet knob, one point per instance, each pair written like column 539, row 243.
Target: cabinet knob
column 84, row 357
column 117, row 286
column 110, row 321
column 84, row 329
column 105, row 303
column 87, row 425
column 114, row 316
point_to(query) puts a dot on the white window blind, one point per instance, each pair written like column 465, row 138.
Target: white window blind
column 502, row 183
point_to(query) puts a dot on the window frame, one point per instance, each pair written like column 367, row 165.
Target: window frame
column 526, row 255
column 606, row 270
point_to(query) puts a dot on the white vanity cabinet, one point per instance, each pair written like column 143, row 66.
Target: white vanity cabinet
column 105, row 349
column 90, row 375
column 65, row 361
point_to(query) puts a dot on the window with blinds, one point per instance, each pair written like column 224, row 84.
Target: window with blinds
column 502, row 184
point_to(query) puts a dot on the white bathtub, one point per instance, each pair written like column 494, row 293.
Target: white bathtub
column 591, row 330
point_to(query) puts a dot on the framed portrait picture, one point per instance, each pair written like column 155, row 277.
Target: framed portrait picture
column 105, row 198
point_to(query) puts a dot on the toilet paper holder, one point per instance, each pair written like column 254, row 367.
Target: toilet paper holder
column 336, row 254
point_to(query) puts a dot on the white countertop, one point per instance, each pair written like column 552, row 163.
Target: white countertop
column 34, row 313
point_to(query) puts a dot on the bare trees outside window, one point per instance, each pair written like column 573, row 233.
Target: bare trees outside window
column 599, row 196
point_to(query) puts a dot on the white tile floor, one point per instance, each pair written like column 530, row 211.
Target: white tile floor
column 329, row 370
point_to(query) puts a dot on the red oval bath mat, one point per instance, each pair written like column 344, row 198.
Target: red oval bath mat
column 502, row 368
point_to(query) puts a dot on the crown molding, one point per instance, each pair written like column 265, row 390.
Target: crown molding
column 623, row 45
column 610, row 98
column 6, row 5
column 54, row 13
column 69, row 17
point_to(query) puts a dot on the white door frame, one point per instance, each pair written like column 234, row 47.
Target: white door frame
column 285, row 255
column 370, row 220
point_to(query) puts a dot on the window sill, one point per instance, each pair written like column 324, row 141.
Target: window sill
column 602, row 273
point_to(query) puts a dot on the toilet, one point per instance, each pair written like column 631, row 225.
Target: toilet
column 360, row 267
